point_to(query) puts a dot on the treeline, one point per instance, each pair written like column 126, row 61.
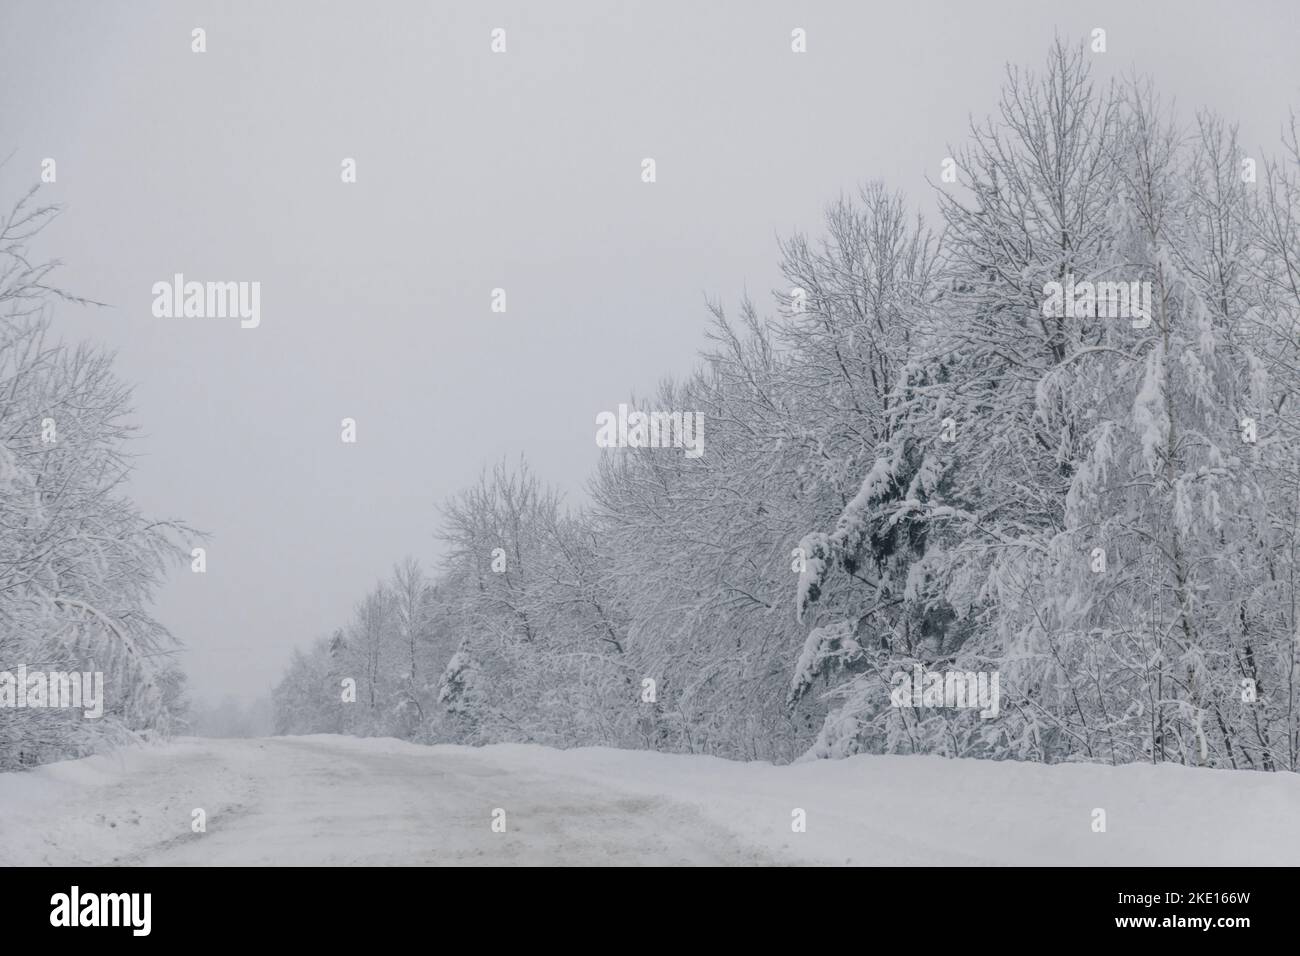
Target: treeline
column 78, row 562
column 914, row 461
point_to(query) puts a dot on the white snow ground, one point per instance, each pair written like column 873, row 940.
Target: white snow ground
column 327, row 800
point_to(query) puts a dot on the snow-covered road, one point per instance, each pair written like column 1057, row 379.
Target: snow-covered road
column 326, row 800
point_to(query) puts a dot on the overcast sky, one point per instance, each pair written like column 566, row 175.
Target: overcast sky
column 476, row 171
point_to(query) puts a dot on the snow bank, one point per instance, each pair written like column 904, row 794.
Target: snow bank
column 927, row 810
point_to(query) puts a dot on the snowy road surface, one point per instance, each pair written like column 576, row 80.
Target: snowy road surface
column 325, row 800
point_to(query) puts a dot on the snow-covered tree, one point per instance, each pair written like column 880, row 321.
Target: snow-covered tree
column 78, row 562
